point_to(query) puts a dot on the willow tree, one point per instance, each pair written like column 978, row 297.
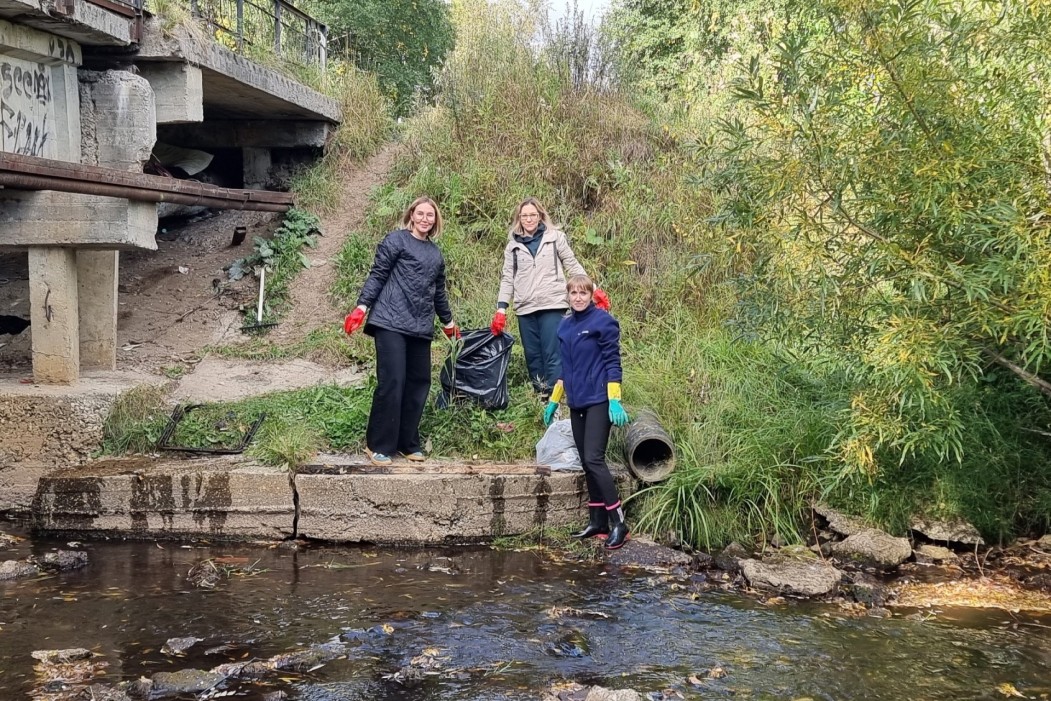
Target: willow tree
column 890, row 182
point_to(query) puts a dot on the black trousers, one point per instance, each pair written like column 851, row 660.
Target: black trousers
column 403, row 379
column 591, row 427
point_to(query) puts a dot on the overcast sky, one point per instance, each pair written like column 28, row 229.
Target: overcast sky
column 592, row 9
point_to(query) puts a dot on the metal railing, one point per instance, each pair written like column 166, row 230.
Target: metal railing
column 241, row 25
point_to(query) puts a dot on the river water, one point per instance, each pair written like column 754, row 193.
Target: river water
column 494, row 625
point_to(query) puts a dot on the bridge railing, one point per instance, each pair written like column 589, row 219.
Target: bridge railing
column 241, row 25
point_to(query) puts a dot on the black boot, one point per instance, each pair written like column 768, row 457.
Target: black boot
column 598, row 523
column 618, row 532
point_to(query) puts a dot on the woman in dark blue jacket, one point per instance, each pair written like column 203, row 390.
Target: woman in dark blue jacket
column 404, row 290
column 589, row 339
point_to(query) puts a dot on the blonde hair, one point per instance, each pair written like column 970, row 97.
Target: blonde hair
column 406, row 220
column 516, row 216
column 582, row 281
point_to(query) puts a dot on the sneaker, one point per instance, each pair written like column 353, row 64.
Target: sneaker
column 418, row 456
column 378, row 458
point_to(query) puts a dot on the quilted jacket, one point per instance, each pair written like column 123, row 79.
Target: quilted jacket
column 406, row 287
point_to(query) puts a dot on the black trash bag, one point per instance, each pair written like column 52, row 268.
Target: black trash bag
column 476, row 371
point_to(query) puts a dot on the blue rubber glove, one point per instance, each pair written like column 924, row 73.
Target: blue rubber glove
column 549, row 412
column 617, row 415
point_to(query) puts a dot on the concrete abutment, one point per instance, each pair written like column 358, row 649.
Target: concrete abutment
column 109, row 118
column 232, row 498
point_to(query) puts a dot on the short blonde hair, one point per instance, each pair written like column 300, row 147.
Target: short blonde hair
column 581, row 281
column 406, row 219
column 516, row 216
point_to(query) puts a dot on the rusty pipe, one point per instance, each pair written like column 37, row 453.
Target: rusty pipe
column 20, row 181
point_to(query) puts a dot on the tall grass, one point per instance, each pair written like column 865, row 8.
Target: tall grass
column 752, row 422
column 366, row 125
column 135, row 421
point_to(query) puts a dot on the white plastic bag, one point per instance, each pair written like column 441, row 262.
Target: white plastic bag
column 557, row 449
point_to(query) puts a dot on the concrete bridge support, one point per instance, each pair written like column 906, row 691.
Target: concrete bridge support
column 100, row 118
column 73, row 291
column 97, row 302
column 53, row 313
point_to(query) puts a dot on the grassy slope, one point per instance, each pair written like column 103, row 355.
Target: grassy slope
column 751, row 426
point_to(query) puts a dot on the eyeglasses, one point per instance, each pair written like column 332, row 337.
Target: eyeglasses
column 528, row 216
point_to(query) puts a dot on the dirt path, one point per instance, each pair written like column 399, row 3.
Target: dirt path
column 312, row 304
column 219, row 379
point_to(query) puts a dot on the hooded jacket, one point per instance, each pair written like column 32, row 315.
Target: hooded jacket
column 406, row 287
column 590, row 343
column 536, row 283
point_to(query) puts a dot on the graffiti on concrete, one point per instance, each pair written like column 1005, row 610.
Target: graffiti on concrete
column 63, row 49
column 26, row 108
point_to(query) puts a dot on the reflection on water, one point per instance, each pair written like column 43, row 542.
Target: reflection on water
column 492, row 626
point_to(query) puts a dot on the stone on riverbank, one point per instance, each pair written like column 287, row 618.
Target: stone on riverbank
column 839, row 522
column 647, row 554
column 931, row 554
column 579, row 692
column 873, row 546
column 73, row 654
column 13, row 569
column 185, row 681
column 62, row 674
column 64, row 560
column 729, row 560
column 948, row 532
column 304, row 660
column 792, row 577
column 864, row 589
column 179, row 646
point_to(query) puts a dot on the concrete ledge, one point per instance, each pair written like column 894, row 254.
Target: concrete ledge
column 88, row 24
column 220, row 498
column 434, row 508
column 232, row 498
column 229, row 76
column 177, row 90
column 248, row 134
column 34, row 45
column 58, row 426
column 84, row 221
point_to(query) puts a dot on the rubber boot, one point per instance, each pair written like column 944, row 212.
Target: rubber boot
column 618, row 532
column 598, row 523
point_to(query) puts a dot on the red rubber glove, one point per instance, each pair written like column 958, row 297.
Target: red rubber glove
column 499, row 322
column 601, row 299
column 452, row 331
column 354, row 320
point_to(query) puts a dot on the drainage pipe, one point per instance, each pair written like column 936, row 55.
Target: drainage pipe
column 20, row 181
column 648, row 448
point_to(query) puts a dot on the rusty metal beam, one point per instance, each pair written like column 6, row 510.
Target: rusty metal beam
column 31, row 173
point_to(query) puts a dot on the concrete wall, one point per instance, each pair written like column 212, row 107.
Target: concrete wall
column 118, row 119
column 232, row 498
column 37, row 88
column 435, row 508
column 45, row 428
column 216, row 498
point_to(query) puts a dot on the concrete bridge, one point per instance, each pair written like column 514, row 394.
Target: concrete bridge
column 97, row 84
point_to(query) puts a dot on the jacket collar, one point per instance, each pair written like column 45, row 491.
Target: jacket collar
column 541, row 229
column 584, row 314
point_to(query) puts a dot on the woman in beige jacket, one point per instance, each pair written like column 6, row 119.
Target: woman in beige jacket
column 537, row 263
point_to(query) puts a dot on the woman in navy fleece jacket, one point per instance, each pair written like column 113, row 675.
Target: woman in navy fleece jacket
column 589, row 339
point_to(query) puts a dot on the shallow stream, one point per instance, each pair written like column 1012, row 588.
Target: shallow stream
column 494, row 625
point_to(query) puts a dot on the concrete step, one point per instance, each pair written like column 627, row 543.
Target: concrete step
column 338, row 499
